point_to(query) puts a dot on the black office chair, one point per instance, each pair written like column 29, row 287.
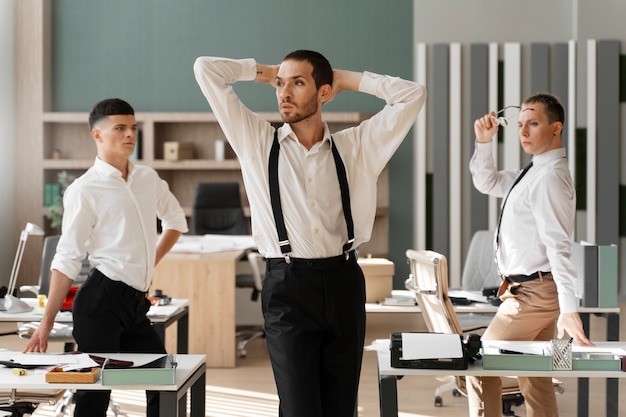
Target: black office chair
column 217, row 209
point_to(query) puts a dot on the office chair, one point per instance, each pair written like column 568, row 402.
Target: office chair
column 429, row 282
column 480, row 270
column 217, row 209
column 23, row 403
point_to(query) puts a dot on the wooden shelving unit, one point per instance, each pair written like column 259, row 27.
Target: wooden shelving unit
column 67, row 134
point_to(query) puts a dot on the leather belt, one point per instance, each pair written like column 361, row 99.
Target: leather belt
column 525, row 278
column 317, row 263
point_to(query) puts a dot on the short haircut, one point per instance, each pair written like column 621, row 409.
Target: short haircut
column 322, row 71
column 552, row 107
column 109, row 107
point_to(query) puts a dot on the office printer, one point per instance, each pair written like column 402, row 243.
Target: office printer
column 461, row 353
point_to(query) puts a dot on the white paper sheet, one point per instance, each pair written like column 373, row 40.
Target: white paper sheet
column 431, row 346
column 67, row 362
column 212, row 243
column 162, row 311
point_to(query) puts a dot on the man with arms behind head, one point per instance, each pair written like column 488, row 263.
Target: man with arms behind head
column 313, row 201
column 533, row 246
column 110, row 213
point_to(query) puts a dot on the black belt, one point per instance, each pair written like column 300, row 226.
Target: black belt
column 118, row 287
column 315, row 263
column 525, row 278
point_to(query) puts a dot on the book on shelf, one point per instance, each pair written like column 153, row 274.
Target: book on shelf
column 51, row 191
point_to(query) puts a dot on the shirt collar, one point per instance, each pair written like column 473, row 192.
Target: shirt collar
column 285, row 131
column 109, row 170
column 549, row 156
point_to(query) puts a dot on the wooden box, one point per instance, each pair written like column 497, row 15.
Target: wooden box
column 57, row 375
column 177, row 151
column 378, row 278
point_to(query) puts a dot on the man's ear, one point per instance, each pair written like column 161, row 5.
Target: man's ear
column 558, row 129
column 325, row 93
column 95, row 134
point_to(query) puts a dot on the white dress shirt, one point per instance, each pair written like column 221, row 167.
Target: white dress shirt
column 538, row 221
column 115, row 222
column 309, row 188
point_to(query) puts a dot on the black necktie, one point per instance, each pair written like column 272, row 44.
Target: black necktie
column 521, row 175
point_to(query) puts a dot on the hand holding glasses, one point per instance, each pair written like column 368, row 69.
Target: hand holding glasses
column 502, row 120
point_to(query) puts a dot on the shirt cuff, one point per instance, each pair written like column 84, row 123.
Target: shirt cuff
column 248, row 69
column 568, row 304
column 369, row 83
column 484, row 148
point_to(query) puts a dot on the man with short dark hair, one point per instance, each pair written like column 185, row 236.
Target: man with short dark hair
column 313, row 200
column 109, row 212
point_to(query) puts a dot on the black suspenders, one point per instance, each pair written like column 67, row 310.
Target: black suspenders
column 283, row 240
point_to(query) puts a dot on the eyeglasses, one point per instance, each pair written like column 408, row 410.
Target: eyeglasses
column 502, row 120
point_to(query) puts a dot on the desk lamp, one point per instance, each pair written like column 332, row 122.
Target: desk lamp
column 12, row 303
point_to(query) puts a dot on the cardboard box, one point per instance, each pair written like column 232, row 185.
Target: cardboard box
column 176, row 151
column 378, row 278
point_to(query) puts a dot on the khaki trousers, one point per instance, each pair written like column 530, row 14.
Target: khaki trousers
column 528, row 312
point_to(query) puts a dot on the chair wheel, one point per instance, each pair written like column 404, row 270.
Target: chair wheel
column 456, row 393
column 438, row 401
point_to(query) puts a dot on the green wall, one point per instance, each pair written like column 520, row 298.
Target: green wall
column 143, row 51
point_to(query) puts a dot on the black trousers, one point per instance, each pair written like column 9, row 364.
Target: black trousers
column 110, row 316
column 314, row 312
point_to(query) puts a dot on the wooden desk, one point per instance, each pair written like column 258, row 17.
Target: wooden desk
column 190, row 376
column 207, row 280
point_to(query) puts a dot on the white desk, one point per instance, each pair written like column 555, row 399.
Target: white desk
column 612, row 334
column 159, row 321
column 388, row 377
column 190, row 376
